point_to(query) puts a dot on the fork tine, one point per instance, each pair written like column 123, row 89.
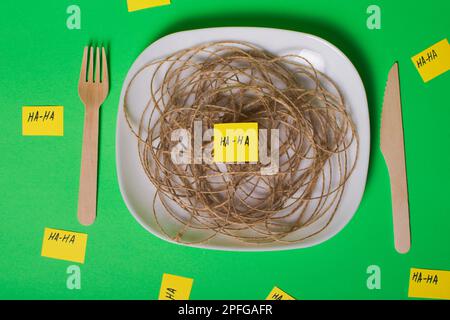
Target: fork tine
column 97, row 65
column 83, row 65
column 104, row 67
column 91, row 65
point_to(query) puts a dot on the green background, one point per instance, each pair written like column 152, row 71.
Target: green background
column 39, row 65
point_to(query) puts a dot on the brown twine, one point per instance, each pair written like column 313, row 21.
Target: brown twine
column 230, row 81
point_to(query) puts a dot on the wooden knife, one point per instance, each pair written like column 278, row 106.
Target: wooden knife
column 393, row 149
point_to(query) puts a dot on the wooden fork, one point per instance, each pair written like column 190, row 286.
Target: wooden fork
column 93, row 90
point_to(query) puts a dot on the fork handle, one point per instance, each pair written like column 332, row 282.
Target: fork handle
column 87, row 196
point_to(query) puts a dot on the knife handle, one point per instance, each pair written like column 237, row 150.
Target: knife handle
column 400, row 206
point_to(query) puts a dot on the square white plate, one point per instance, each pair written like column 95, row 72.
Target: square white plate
column 138, row 191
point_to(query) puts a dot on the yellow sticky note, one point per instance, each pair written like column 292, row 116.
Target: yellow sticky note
column 175, row 287
column 64, row 245
column 278, row 294
column 433, row 61
column 134, row 5
column 236, row 142
column 425, row 283
column 42, row 120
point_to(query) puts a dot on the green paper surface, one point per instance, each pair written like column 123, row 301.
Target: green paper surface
column 39, row 65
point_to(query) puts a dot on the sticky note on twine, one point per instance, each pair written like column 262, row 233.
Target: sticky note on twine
column 278, row 294
column 433, row 61
column 175, row 287
column 64, row 245
column 42, row 120
column 236, row 142
column 425, row 283
column 135, row 5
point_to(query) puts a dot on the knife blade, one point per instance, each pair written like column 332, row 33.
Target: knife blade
column 393, row 149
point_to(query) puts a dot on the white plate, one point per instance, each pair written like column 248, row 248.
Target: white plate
column 135, row 187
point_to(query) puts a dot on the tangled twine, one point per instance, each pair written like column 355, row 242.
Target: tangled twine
column 223, row 82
